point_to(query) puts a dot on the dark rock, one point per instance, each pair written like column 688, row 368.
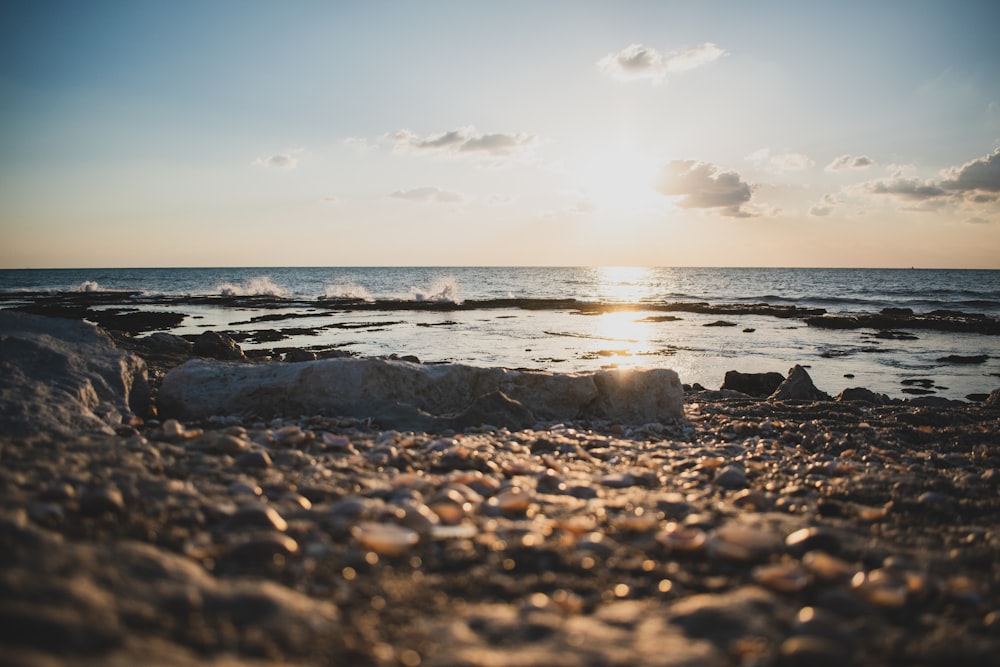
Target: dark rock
column 136, row 322
column 959, row 359
column 216, row 345
column 720, row 323
column 811, row 539
column 165, row 342
column 862, row 395
column 298, row 355
column 731, row 477
column 760, row 385
column 798, row 386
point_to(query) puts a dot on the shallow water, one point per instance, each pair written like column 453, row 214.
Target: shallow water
column 506, row 319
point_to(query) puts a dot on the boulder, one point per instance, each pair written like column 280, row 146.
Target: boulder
column 760, row 385
column 165, row 342
column 398, row 394
column 215, row 345
column 65, row 376
column 798, row 386
column 862, row 395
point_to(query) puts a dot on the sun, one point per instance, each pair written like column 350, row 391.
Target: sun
column 618, row 180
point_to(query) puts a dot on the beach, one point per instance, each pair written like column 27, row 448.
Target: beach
column 746, row 531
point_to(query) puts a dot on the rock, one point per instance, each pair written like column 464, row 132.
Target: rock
column 215, row 345
column 992, row 401
column 798, row 386
column 862, row 395
column 760, row 385
column 961, row 359
column 165, row 342
column 396, row 391
column 297, row 355
column 64, row 376
column 731, row 477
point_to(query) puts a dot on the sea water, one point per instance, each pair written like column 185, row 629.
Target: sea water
column 518, row 318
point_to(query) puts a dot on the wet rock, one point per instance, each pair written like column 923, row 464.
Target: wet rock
column 798, row 386
column 298, row 355
column 215, row 345
column 992, row 401
column 65, row 376
column 811, row 651
column 731, row 477
column 760, row 385
column 963, row 359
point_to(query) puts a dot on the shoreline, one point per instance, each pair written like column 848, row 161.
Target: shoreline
column 752, row 532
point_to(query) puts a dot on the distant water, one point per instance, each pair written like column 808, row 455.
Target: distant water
column 516, row 324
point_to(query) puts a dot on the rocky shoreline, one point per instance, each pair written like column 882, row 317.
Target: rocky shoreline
column 782, row 528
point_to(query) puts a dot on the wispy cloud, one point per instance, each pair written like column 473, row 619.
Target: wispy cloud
column 428, row 196
column 705, row 185
column 638, row 62
column 850, row 162
column 781, row 162
column 465, row 141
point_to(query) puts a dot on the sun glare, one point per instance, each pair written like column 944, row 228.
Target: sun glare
column 619, row 181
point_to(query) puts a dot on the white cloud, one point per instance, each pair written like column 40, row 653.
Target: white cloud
column 850, row 162
column 705, row 185
column 464, row 141
column 428, row 196
column 974, row 183
column 638, row 62
column 763, row 159
column 279, row 161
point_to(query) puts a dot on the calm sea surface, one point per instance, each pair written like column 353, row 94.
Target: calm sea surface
column 515, row 325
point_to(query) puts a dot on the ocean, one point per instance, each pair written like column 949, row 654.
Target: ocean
column 574, row 319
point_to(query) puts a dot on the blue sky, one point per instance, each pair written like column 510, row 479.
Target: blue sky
column 218, row 133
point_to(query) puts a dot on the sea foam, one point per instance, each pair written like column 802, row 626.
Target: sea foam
column 258, row 286
column 347, row 291
column 442, row 290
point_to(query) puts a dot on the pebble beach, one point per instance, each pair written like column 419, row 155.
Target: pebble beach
column 750, row 532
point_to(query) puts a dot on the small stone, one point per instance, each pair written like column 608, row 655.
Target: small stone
column 679, row 538
column 256, row 516
column 740, row 542
column 255, row 459
column 263, row 546
column 809, row 651
column 386, row 539
column 782, row 577
column 731, row 477
column 102, row 500
column 812, row 539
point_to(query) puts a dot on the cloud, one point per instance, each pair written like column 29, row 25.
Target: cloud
column 464, row 140
column 850, row 162
column 280, row 161
column 638, row 62
column 428, row 196
column 778, row 163
column 974, row 183
column 826, row 205
column 705, row 185
column 982, row 175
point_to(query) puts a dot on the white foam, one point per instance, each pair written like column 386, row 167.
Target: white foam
column 442, row 290
column 347, row 291
column 89, row 286
column 258, row 286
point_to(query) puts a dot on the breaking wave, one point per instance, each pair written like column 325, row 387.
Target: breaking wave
column 348, row 291
column 442, row 290
column 89, row 286
column 259, row 286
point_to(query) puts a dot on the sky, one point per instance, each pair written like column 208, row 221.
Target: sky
column 563, row 132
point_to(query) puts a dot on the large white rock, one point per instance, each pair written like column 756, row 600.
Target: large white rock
column 402, row 394
column 64, row 376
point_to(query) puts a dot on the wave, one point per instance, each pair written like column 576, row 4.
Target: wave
column 442, row 290
column 89, row 286
column 258, row 286
column 347, row 292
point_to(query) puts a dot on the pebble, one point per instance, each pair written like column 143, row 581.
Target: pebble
column 810, row 651
column 731, row 477
column 812, row 539
column 263, row 546
column 101, row 500
column 254, row 459
column 256, row 516
column 385, row 539
column 740, row 542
